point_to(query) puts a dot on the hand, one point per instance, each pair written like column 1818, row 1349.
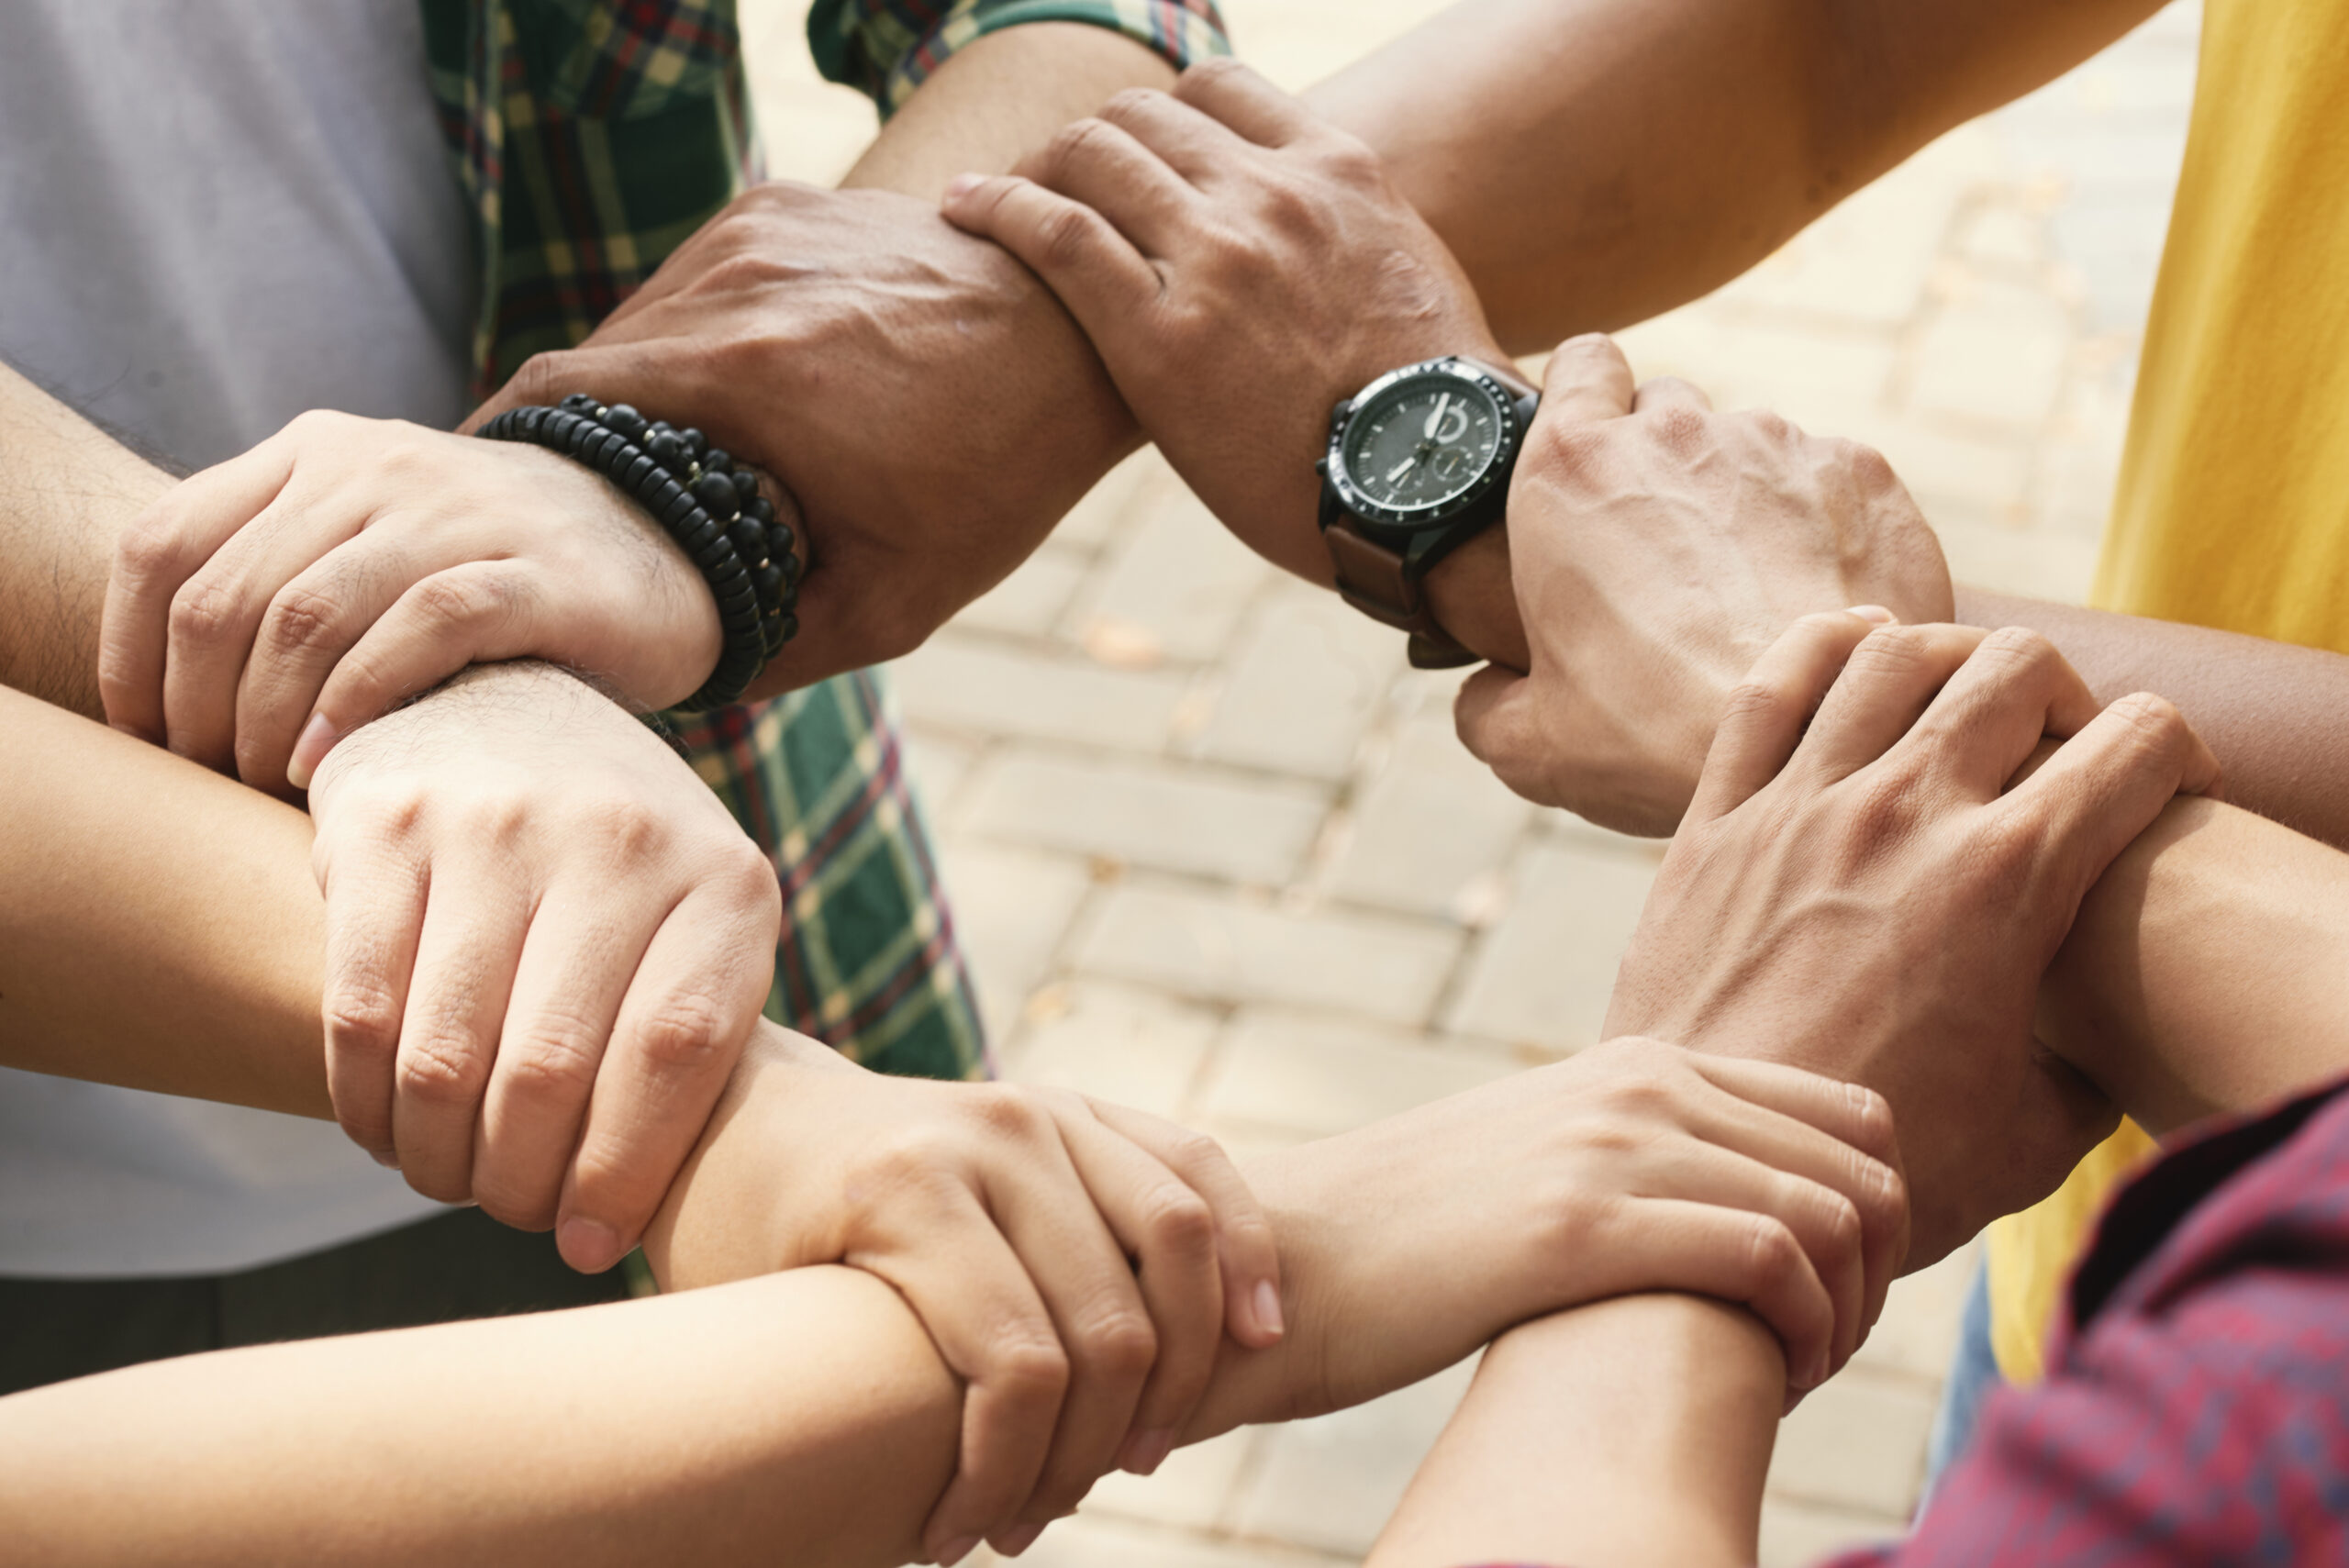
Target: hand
column 294, row 592
column 930, row 407
column 1633, row 1166
column 1656, row 549
column 1075, row 1263
column 1243, row 267
column 1869, row 899
column 546, row 944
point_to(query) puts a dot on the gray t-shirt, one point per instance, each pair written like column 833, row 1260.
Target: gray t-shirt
column 215, row 213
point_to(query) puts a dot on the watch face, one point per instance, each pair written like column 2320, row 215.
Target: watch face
column 1423, row 443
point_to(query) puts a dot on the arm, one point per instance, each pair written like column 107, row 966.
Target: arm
column 1635, row 1433
column 1592, row 162
column 2207, row 971
column 66, row 490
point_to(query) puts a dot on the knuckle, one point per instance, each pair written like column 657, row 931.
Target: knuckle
column 303, row 618
column 202, row 613
column 553, row 1060
column 442, row 1068
column 1771, row 425
column 447, row 602
column 147, row 550
column 683, row 1036
column 2019, row 652
column 1178, row 1221
column 1869, row 468
column 1676, row 426
column 1069, row 146
column 1351, row 160
column 1028, row 1365
column 1118, row 1342
column 1128, row 106
column 361, row 1021
column 1007, row 1114
column 1065, row 239
column 2155, row 720
column 1871, row 1120
column 1771, row 1255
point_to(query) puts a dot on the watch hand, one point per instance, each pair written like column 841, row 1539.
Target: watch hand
column 1403, row 468
column 1435, row 421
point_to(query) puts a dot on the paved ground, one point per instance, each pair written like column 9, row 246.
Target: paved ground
column 1215, row 851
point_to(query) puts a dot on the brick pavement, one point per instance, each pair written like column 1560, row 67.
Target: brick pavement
column 1215, row 852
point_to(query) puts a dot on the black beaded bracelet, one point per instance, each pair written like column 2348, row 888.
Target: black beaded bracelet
column 707, row 502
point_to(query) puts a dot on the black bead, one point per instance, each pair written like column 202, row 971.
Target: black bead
column 626, row 420
column 715, row 492
column 793, row 567
column 667, row 449
column 759, row 506
column 717, row 459
column 697, row 532
column 749, row 539
column 746, row 486
column 577, row 403
column 639, row 469
column 768, row 579
column 696, row 442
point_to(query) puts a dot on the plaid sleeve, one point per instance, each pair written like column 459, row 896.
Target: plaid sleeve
column 887, row 48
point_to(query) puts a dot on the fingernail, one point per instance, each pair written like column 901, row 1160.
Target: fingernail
column 1012, row 1543
column 1144, row 1451
column 317, row 739
column 390, row 1162
column 963, row 185
column 588, row 1245
column 954, row 1550
column 1268, row 1309
column 1876, row 613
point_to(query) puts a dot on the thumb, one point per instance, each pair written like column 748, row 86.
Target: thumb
column 1499, row 719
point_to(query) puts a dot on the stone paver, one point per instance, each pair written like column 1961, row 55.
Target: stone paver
column 1216, row 853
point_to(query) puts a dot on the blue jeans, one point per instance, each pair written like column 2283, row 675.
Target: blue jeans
column 1972, row 1373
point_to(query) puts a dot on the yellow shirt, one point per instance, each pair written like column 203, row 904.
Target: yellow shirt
column 2233, row 505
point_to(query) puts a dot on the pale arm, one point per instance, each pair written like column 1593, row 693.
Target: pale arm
column 800, row 1417
column 1635, row 1433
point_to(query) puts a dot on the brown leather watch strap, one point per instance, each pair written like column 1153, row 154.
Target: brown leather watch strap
column 1372, row 578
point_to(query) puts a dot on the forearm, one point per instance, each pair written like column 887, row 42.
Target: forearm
column 2272, row 711
column 1000, row 98
column 1592, row 162
column 67, row 490
column 2207, row 971
column 1631, row 1432
column 801, row 1418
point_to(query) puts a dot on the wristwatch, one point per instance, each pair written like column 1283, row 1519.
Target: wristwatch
column 1418, row 463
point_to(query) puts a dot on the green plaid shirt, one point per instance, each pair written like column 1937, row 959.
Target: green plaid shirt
column 591, row 137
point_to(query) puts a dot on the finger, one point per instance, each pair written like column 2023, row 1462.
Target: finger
column 1248, row 1255
column 1100, row 165
column 575, row 967
column 1082, row 258
column 1588, row 378
column 692, row 1001
column 154, row 556
column 218, row 612
column 1051, row 1220
column 2106, row 784
column 1885, row 687
column 1850, row 1114
column 1736, row 1254
column 1868, row 1225
column 1193, row 144
column 974, row 1294
column 1235, row 96
column 475, row 919
column 2010, row 693
column 1670, row 392
column 375, row 898
column 306, row 629
column 1768, row 711
column 477, row 613
column 1500, row 719
column 1167, row 1228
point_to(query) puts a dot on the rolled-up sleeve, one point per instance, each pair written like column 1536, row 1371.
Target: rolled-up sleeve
column 887, row 48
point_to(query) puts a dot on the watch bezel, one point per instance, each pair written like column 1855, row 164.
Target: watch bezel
column 1400, row 524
